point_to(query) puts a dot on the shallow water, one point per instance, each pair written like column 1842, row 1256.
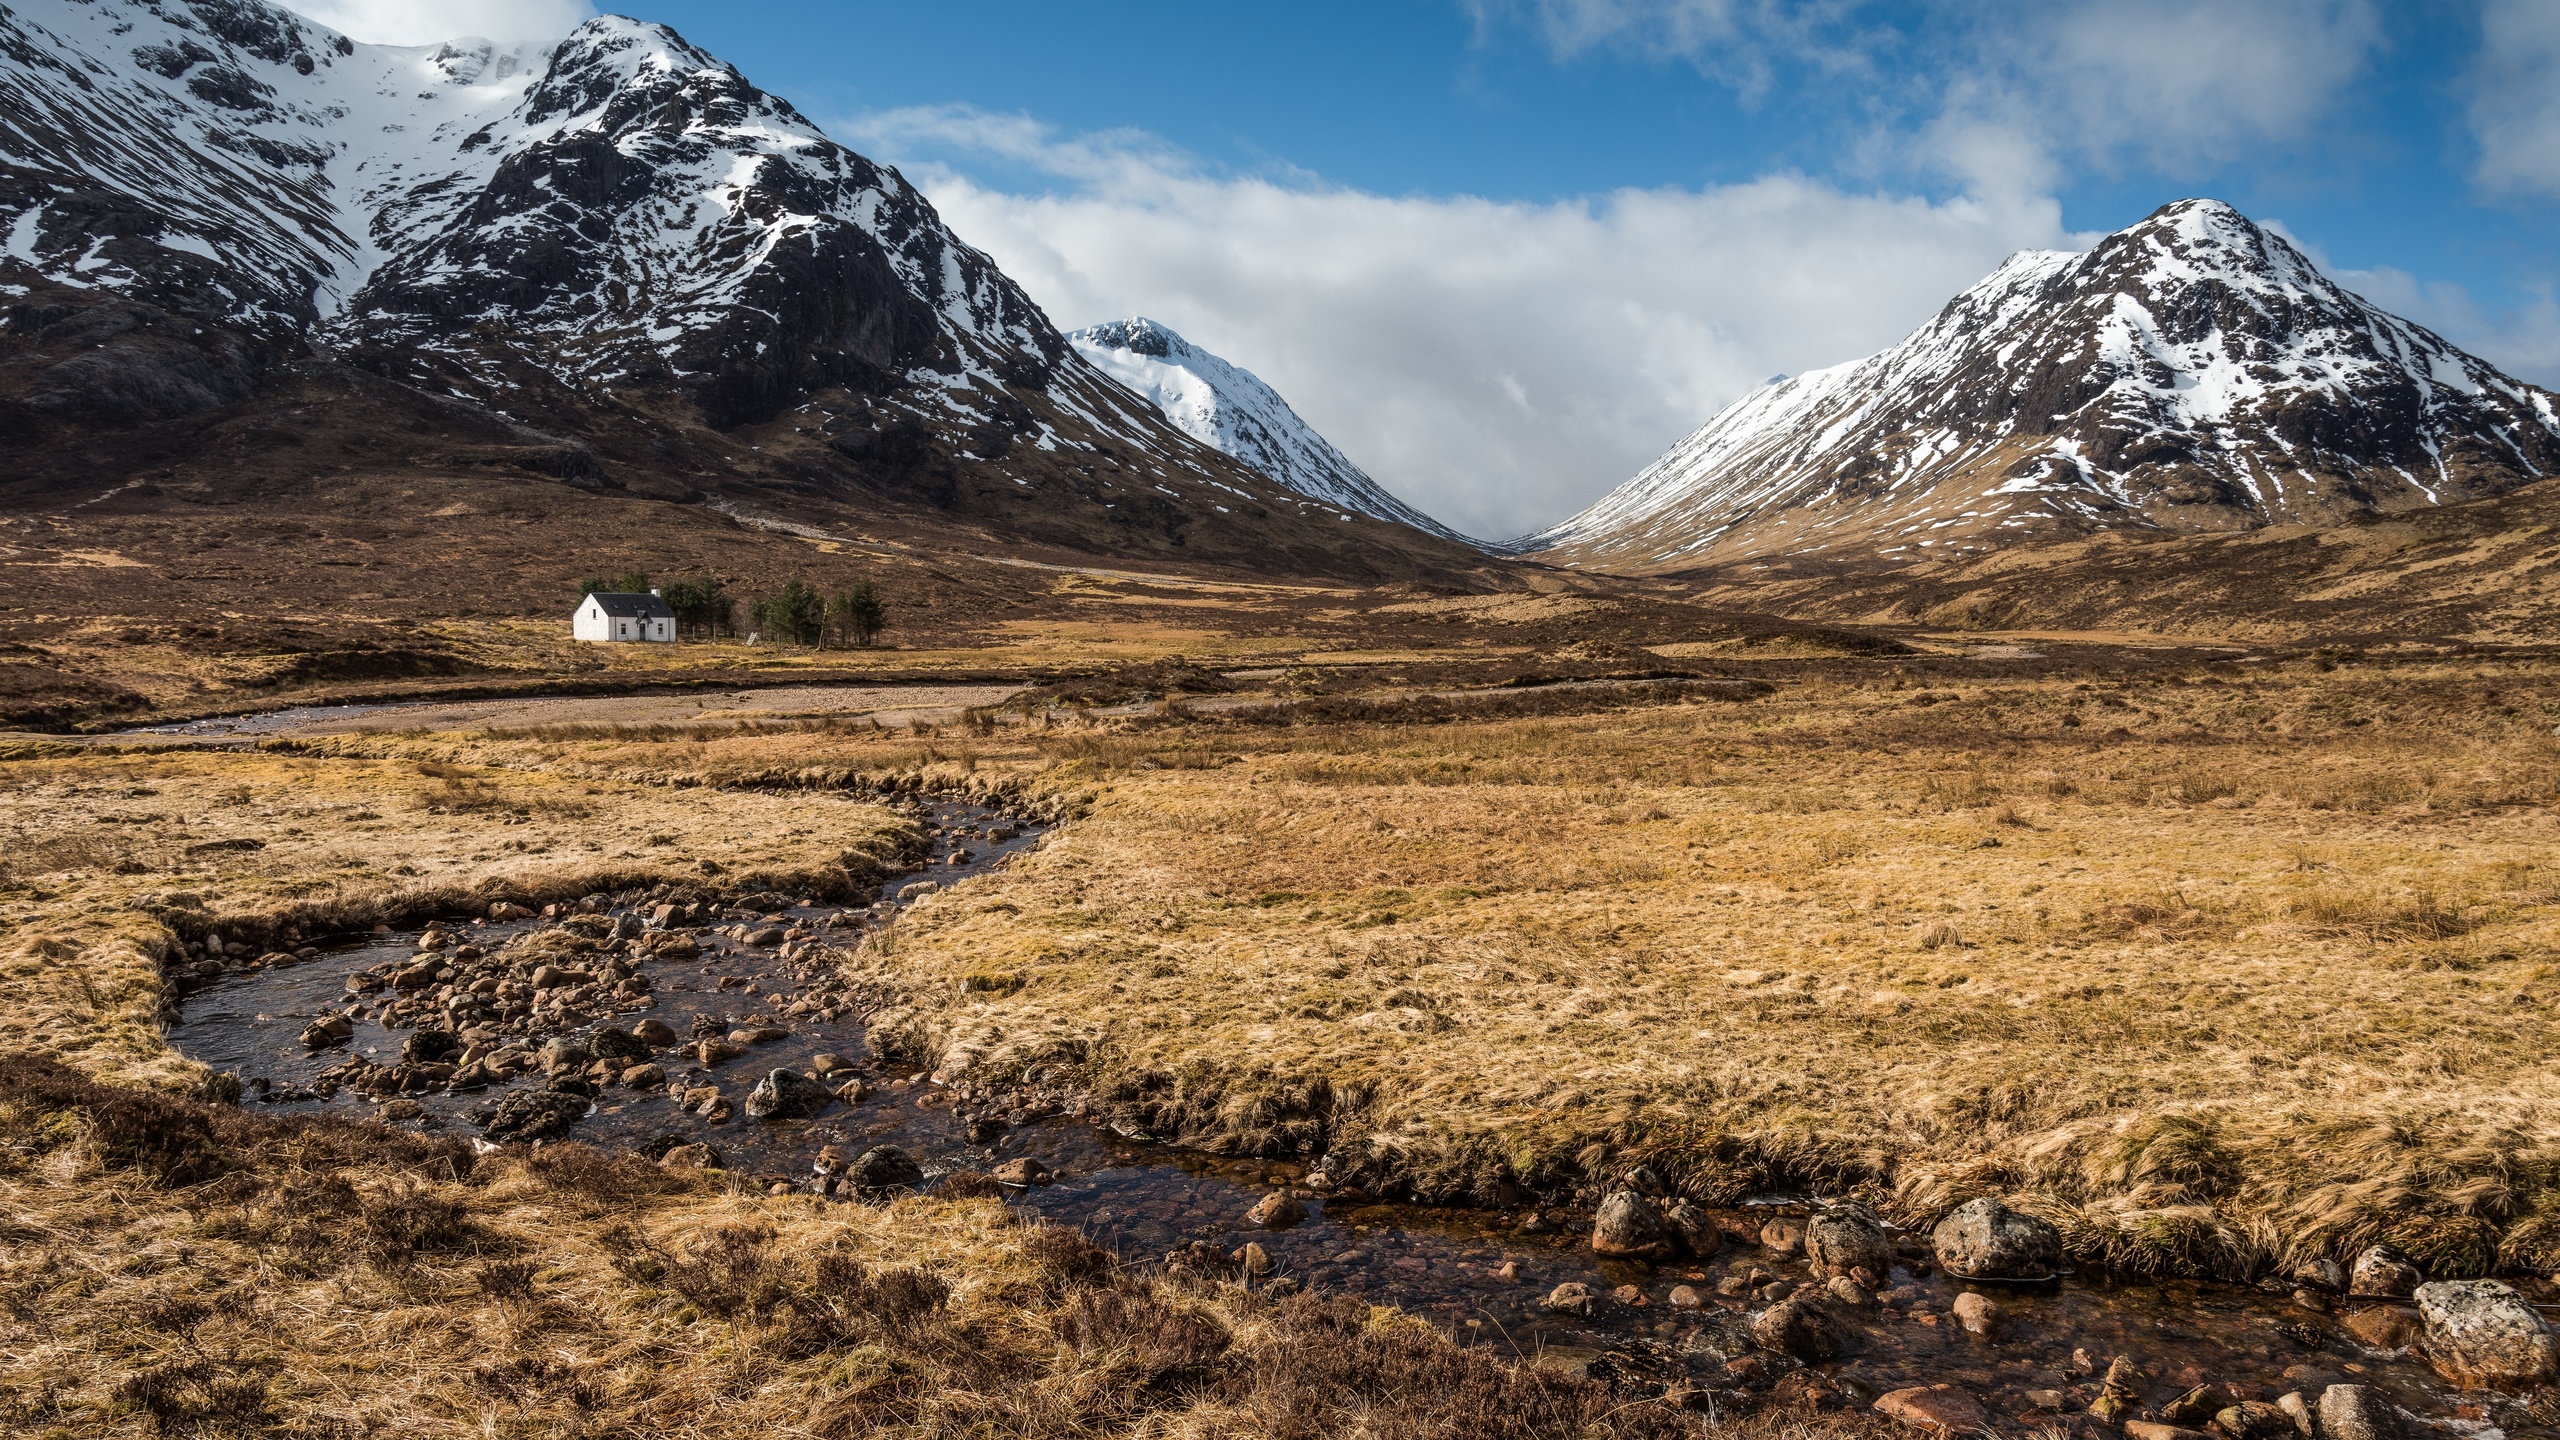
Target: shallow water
column 1146, row 1199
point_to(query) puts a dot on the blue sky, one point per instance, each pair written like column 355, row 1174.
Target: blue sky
column 1505, row 251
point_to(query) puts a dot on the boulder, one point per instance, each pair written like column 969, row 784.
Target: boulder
column 1276, row 1211
column 2358, row 1412
column 1977, row 1314
column 426, row 1047
column 2481, row 1335
column 1847, row 1238
column 1983, row 1238
column 2321, row 1274
column 328, row 1030
column 708, row 1053
column 643, row 1077
column 655, row 1033
column 1023, row 1173
column 612, row 1044
column 1627, row 1227
column 564, row 1053
column 1848, row 1292
column 1934, row 1407
column 787, row 1095
column 2383, row 1271
column 2298, row 1410
column 537, row 1115
column 885, row 1167
column 1572, row 1298
column 1694, row 1228
column 1797, row 1328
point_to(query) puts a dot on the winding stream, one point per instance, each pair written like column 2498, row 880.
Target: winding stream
column 1477, row 1275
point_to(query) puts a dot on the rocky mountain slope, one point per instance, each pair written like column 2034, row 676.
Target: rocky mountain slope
column 1229, row 407
column 2193, row 373
column 613, row 262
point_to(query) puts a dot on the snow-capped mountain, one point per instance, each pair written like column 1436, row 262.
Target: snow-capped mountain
column 2191, row 373
column 618, row 230
column 1229, row 407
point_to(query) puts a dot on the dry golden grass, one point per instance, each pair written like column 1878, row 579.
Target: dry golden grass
column 2215, row 972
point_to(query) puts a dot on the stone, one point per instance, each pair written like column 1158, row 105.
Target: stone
column 885, row 1167
column 2254, row 1420
column 612, row 1044
column 548, row 977
column 1254, row 1259
column 2161, row 1430
column 828, row 1064
column 854, row 1091
column 401, row 1110
column 758, row 1035
column 689, row 1157
column 2120, row 1392
column 2298, row 1410
column 537, row 1115
column 1984, row 1238
column 1934, row 1407
column 656, row 1034
column 2482, row 1335
column 1631, row 1296
column 2383, row 1271
column 1783, row 1236
column 787, row 1095
column 1276, row 1211
column 1977, row 1314
column 2358, row 1412
column 2321, row 1274
column 643, row 1077
column 2052, row 1400
column 1694, row 1228
column 328, row 1030
column 2196, row 1406
column 1846, row 1238
column 2382, row 1327
column 766, row 937
column 1627, row 1227
column 1023, row 1173
column 1848, row 1292
column 426, row 1047
column 1682, row 1297
column 564, row 1053
column 1572, row 1298
column 708, row 1053
column 1798, row 1328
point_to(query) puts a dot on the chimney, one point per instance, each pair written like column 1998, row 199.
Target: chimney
column 653, row 589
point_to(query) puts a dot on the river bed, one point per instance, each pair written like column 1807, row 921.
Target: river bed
column 1477, row 1275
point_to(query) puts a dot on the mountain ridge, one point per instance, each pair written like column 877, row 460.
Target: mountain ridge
column 1224, row 405
column 2193, row 372
column 618, row 249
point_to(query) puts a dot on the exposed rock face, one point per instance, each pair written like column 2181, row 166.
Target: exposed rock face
column 2482, row 1335
column 2193, row 372
column 1986, row 1238
column 1847, row 1238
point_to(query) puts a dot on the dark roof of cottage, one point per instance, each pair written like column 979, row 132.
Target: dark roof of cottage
column 632, row 607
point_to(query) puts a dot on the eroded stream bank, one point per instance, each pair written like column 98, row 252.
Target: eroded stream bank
column 725, row 991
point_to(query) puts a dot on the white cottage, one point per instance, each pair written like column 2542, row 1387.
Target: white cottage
column 608, row 617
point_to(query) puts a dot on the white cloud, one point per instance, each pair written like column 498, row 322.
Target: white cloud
column 1498, row 364
column 429, row 22
column 2004, row 94
column 2515, row 100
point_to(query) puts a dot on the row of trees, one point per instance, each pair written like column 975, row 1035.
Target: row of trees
column 799, row 612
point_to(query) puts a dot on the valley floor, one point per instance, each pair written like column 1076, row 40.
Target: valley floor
column 2221, row 962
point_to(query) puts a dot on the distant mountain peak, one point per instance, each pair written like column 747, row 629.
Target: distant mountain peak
column 1226, row 406
column 2191, row 372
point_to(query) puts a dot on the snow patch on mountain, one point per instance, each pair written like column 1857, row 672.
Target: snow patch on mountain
column 2192, row 372
column 1229, row 407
